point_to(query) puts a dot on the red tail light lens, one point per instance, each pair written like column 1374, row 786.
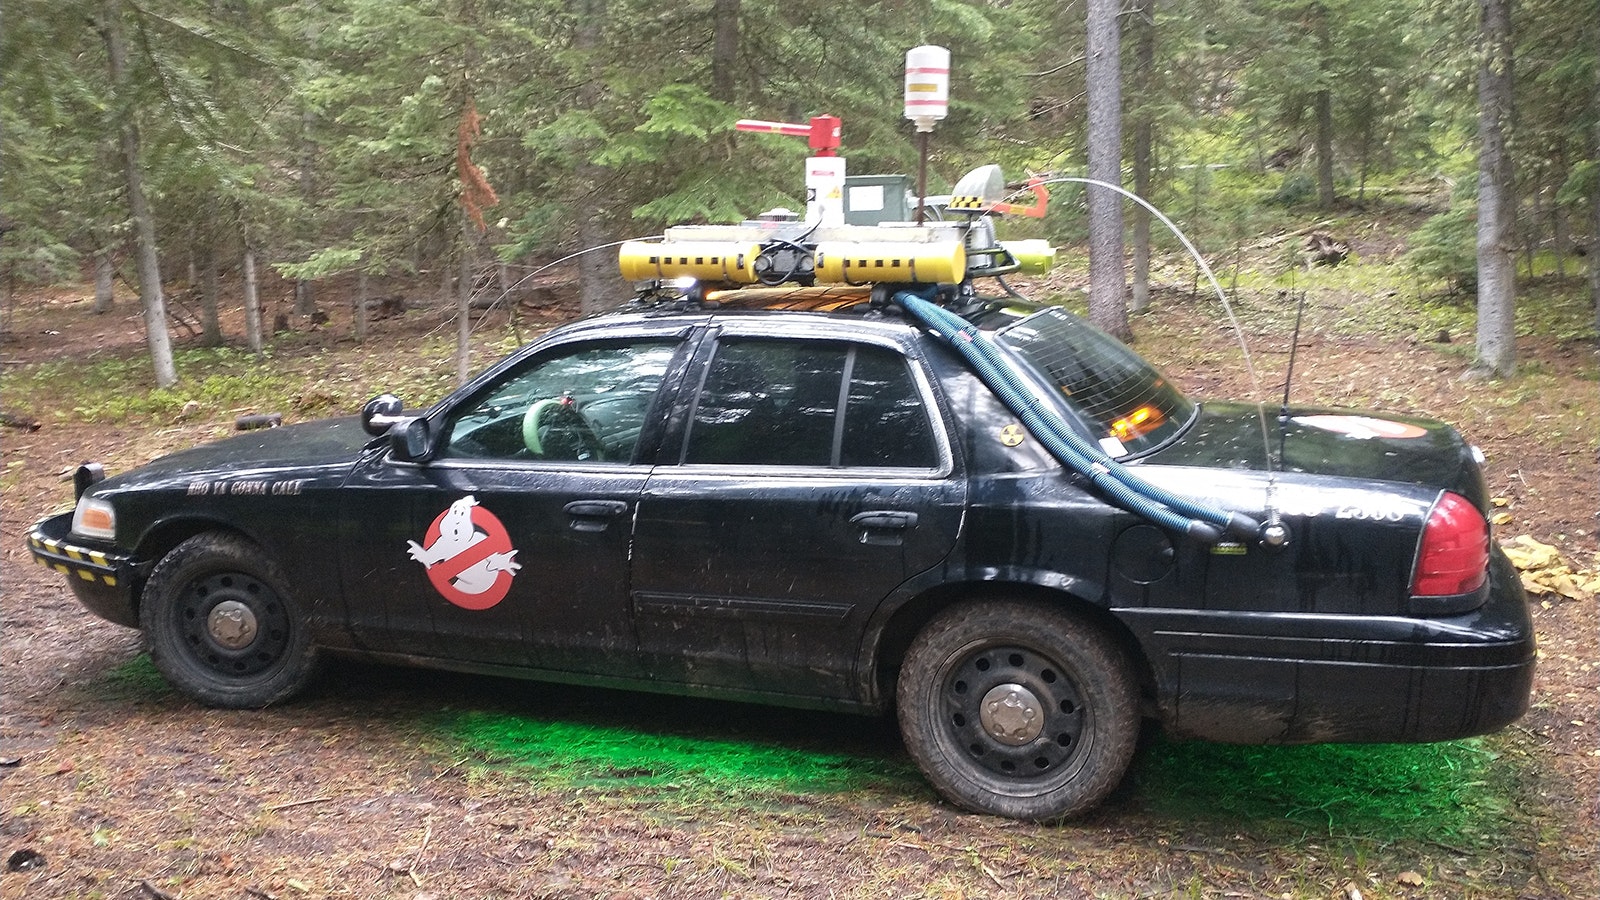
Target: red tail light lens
column 1454, row 557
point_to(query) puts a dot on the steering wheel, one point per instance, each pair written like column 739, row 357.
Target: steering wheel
column 554, row 429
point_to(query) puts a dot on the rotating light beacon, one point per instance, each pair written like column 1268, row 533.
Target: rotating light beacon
column 927, row 102
column 927, row 86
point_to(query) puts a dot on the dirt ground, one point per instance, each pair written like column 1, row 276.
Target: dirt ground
column 114, row 786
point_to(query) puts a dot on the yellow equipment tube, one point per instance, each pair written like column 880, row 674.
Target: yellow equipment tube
column 865, row 262
column 729, row 261
column 1035, row 256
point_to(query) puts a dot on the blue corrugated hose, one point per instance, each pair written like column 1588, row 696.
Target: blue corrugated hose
column 1198, row 521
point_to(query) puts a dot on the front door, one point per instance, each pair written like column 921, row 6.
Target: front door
column 510, row 545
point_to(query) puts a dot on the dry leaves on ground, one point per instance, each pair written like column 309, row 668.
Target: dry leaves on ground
column 1547, row 575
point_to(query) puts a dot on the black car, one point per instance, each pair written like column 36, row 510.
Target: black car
column 808, row 497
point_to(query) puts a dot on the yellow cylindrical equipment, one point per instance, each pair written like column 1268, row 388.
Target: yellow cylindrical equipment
column 1035, row 256
column 730, row 261
column 864, row 262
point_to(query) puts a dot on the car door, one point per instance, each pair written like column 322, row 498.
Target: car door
column 811, row 476
column 509, row 545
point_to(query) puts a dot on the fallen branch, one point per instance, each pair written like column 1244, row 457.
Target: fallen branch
column 417, row 860
column 155, row 892
column 293, row 803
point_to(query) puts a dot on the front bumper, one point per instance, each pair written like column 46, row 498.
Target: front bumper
column 1270, row 678
column 102, row 581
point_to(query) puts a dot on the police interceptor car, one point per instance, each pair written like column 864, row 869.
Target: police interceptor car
column 831, row 472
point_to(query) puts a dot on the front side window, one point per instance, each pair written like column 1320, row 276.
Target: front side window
column 810, row 403
column 1128, row 405
column 583, row 405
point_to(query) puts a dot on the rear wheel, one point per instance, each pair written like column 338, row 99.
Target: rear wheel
column 1018, row 709
column 222, row 626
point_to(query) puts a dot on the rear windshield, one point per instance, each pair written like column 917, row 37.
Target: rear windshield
column 1128, row 405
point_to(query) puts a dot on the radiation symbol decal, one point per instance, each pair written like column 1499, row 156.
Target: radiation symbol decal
column 1362, row 427
column 468, row 555
column 1013, row 435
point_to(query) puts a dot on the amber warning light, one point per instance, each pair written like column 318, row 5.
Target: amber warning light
column 1138, row 423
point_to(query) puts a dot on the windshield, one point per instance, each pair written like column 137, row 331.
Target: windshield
column 1128, row 405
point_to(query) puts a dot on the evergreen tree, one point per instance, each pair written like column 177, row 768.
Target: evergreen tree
column 1497, row 347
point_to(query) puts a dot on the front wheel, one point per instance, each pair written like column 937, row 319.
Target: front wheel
column 222, row 626
column 1018, row 709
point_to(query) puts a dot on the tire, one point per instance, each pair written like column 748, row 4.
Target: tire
column 1062, row 705
column 223, row 627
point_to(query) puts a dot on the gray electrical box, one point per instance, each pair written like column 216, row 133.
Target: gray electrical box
column 874, row 199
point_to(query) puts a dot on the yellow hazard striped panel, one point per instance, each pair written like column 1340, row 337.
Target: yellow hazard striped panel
column 57, row 556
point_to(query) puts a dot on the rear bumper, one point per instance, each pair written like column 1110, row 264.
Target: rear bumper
column 1295, row 678
column 102, row 581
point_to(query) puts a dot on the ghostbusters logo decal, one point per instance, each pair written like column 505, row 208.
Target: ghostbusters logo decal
column 468, row 555
column 1362, row 427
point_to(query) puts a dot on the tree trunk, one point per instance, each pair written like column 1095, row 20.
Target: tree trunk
column 146, row 256
column 210, row 319
column 1323, row 102
column 1325, row 192
column 464, row 304
column 359, row 314
column 305, row 301
column 724, row 48
column 1594, row 244
column 1108, row 307
column 1496, row 347
column 1143, row 140
column 105, row 286
column 1594, row 197
column 599, row 284
column 252, row 303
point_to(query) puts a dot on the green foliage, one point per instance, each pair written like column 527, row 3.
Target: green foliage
column 223, row 381
column 1444, row 249
column 324, row 262
column 326, row 134
column 1297, row 189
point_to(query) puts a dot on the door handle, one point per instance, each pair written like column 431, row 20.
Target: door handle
column 591, row 515
column 884, row 526
column 885, row 519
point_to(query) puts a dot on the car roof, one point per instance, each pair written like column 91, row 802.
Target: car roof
column 800, row 309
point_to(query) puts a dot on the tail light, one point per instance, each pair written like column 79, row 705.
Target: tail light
column 1453, row 558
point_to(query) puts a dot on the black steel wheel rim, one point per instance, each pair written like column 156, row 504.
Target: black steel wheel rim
column 233, row 591
column 1014, row 712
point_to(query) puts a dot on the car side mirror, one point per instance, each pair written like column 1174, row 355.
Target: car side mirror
column 410, row 439
column 381, row 413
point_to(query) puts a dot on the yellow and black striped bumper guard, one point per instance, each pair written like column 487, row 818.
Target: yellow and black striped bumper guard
column 75, row 562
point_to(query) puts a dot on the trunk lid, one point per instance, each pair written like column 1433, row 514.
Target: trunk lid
column 1331, row 442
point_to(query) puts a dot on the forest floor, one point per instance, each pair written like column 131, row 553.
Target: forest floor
column 395, row 783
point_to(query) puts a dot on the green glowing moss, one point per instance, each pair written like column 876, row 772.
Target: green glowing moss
column 1456, row 792
column 568, row 754
column 136, row 679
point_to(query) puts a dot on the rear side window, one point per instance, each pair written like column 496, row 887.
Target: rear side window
column 1130, row 407
column 810, row 403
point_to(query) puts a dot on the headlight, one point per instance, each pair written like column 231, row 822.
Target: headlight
column 94, row 518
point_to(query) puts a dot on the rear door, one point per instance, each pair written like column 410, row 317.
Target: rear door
column 808, row 478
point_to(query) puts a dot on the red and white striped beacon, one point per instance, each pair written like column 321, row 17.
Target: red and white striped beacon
column 927, row 85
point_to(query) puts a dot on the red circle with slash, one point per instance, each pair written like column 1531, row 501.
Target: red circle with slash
column 444, row 573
